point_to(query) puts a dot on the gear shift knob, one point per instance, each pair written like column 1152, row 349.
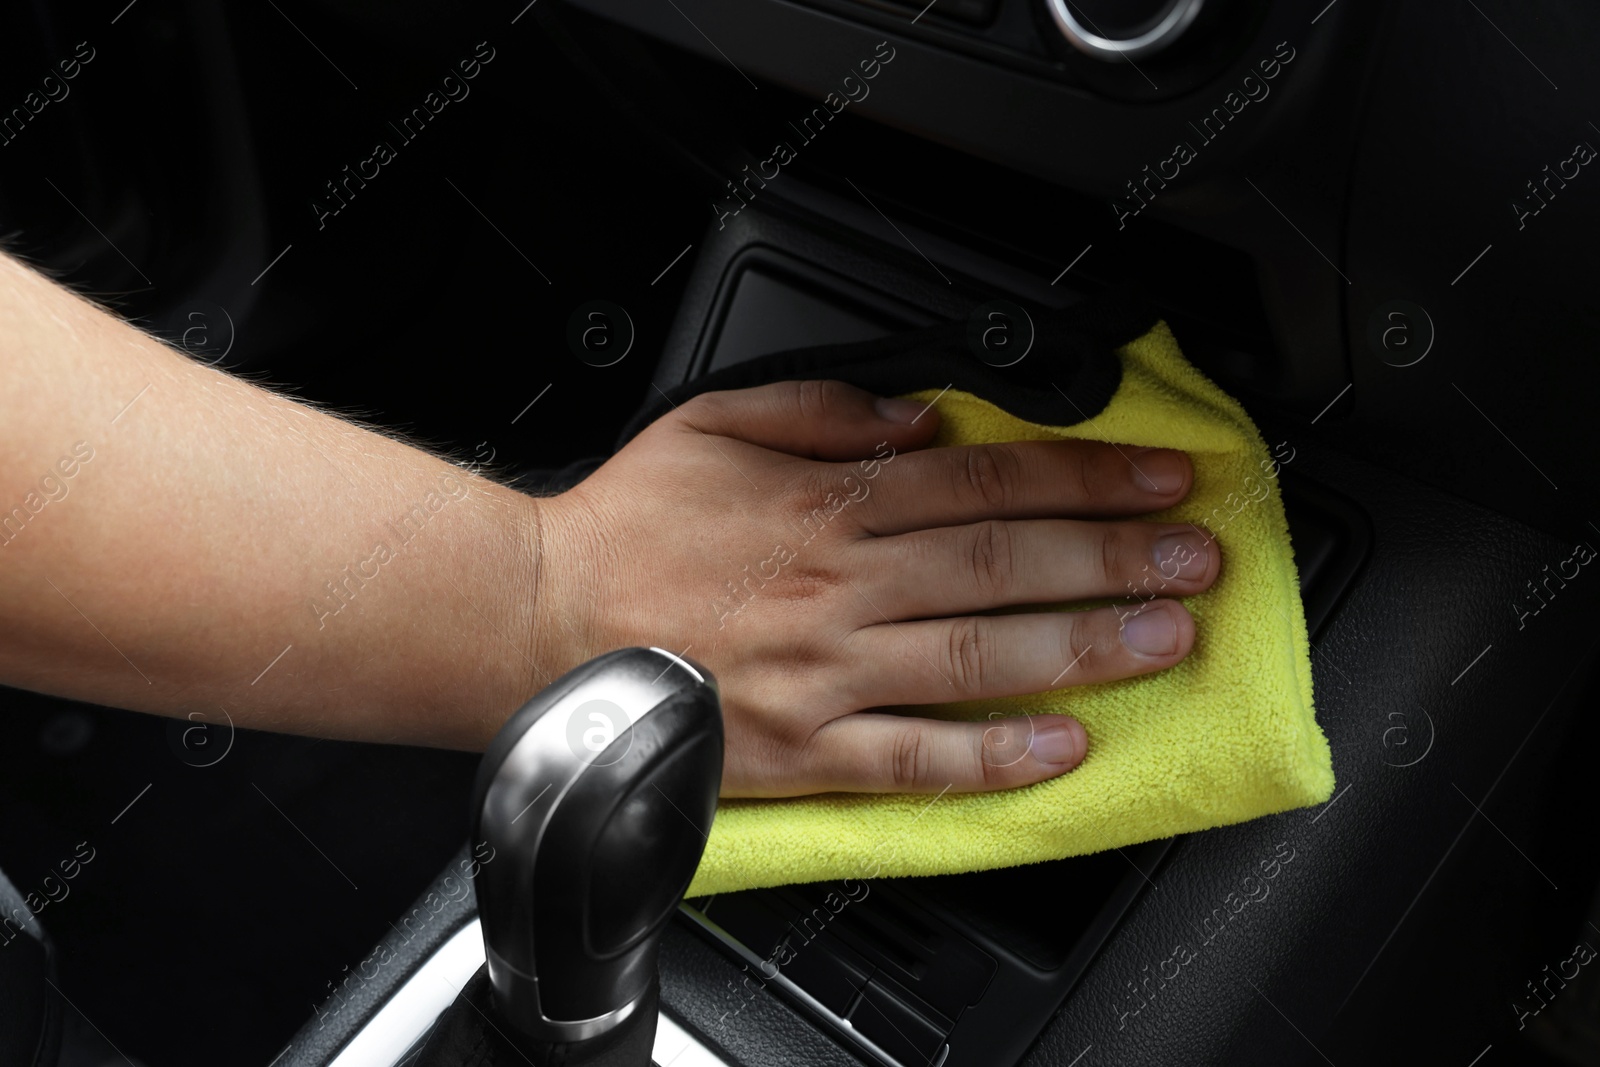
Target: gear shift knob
column 597, row 797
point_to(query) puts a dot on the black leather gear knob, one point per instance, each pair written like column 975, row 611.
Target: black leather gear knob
column 597, row 797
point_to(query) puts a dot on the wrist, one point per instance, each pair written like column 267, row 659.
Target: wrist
column 558, row 633
column 513, row 651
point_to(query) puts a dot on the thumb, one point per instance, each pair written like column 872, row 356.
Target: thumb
column 815, row 418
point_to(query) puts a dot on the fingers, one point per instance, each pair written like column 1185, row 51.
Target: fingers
column 956, row 570
column 817, row 419
column 879, row 753
column 1023, row 480
column 981, row 656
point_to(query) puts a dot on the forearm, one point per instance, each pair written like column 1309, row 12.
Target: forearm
column 173, row 539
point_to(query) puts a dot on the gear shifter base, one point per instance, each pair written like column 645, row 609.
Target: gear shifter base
column 468, row 1035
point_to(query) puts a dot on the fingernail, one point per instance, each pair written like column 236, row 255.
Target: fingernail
column 1058, row 739
column 1181, row 555
column 1152, row 632
column 1159, row 470
column 894, row 409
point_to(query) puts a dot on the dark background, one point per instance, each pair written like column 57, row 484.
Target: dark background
column 208, row 925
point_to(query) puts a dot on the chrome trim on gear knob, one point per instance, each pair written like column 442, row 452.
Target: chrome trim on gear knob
column 405, row 1019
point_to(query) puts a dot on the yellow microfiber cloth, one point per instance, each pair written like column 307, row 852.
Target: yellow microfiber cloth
column 1227, row 735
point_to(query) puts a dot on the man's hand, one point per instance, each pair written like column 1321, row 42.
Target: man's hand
column 802, row 541
column 183, row 542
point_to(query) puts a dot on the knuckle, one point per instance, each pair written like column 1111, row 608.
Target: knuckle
column 810, row 399
column 1072, row 475
column 1090, row 473
column 993, row 757
column 991, row 474
column 817, row 399
column 910, row 758
column 1113, row 554
column 990, row 554
column 808, row 486
column 967, row 652
column 792, row 738
column 817, row 501
column 1101, row 470
column 1075, row 476
column 1080, row 636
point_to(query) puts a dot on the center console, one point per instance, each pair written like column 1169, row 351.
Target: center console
column 953, row 970
column 1075, row 961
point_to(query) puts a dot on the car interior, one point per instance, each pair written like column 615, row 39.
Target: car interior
column 501, row 230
